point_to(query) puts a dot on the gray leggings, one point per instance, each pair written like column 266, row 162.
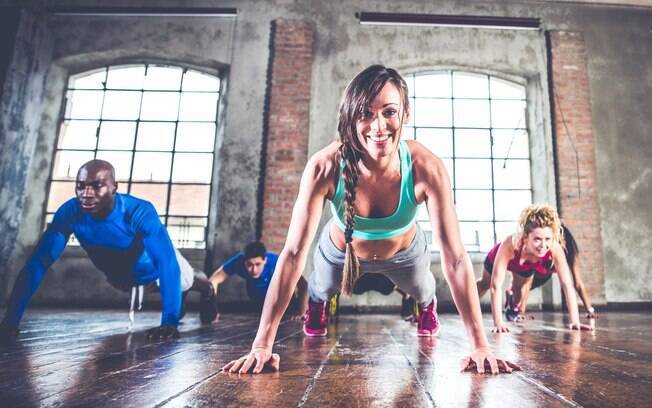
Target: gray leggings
column 409, row 269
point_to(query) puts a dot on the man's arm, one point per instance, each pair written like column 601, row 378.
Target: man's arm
column 49, row 249
column 160, row 249
column 217, row 278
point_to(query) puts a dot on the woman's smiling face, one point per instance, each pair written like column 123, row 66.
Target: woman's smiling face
column 379, row 124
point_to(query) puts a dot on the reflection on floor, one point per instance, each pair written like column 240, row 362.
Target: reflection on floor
column 86, row 358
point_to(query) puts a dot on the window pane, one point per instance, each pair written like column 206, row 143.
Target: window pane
column 147, row 99
column 155, row 136
column 422, row 213
column 130, row 77
column 501, row 89
column 474, row 205
column 427, row 229
column 184, row 232
column 88, row 80
column 192, row 168
column 448, row 163
column 117, row 135
column 78, row 134
column 84, row 104
column 157, row 194
column 472, row 143
column 467, row 85
column 471, row 131
column 196, row 137
column 511, row 143
column 160, row 106
column 473, row 173
column 163, row 78
column 67, row 163
column 503, row 229
column 123, row 105
column 514, row 174
column 197, row 81
column 410, row 122
column 121, row 162
column 60, row 192
column 438, row 141
column 407, row 133
column 471, row 113
column 198, row 106
column 123, row 188
column 510, row 203
column 433, row 85
column 477, row 236
column 433, row 112
column 409, row 80
column 152, row 166
column 508, row 114
column 189, row 199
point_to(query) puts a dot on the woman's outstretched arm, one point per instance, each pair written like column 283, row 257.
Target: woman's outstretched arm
column 432, row 185
column 566, row 280
column 313, row 190
column 505, row 252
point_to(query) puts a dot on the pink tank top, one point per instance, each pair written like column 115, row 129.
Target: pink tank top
column 543, row 266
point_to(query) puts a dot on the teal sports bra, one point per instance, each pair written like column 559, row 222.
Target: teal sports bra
column 399, row 222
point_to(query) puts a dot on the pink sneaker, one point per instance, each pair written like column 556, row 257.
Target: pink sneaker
column 314, row 325
column 428, row 324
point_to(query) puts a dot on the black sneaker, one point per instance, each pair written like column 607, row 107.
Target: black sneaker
column 409, row 309
column 208, row 307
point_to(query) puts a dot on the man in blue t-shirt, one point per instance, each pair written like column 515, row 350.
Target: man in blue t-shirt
column 256, row 266
column 124, row 238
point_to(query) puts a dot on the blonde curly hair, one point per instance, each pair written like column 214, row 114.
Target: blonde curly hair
column 540, row 216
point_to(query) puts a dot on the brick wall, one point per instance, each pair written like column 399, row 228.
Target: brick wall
column 287, row 126
column 577, row 186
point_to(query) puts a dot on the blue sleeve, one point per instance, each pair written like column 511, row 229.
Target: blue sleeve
column 49, row 249
column 234, row 265
column 161, row 251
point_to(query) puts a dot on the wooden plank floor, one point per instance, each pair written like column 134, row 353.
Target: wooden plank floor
column 87, row 358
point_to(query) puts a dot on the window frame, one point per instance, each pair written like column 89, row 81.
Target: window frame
column 180, row 242
column 527, row 100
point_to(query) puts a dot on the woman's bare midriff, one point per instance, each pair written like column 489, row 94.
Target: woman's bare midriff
column 377, row 249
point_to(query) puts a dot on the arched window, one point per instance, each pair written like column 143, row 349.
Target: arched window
column 477, row 125
column 156, row 125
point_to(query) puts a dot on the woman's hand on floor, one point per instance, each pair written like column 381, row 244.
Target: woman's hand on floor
column 255, row 361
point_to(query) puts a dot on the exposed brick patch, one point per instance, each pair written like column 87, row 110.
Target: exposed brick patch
column 287, row 127
column 577, row 184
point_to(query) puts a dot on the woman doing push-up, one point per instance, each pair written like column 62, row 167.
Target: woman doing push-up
column 374, row 182
column 532, row 255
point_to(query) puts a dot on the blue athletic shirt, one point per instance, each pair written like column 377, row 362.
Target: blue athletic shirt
column 256, row 288
column 130, row 246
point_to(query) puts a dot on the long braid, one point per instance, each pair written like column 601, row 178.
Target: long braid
column 357, row 97
column 351, row 270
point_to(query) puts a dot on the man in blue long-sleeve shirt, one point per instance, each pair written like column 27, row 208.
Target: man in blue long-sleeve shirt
column 124, row 238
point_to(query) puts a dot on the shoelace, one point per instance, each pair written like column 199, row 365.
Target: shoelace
column 136, row 295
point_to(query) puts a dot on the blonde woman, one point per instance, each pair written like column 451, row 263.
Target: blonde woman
column 532, row 255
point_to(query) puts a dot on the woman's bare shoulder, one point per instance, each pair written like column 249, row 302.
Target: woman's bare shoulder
column 509, row 242
column 326, row 160
column 427, row 168
column 323, row 166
